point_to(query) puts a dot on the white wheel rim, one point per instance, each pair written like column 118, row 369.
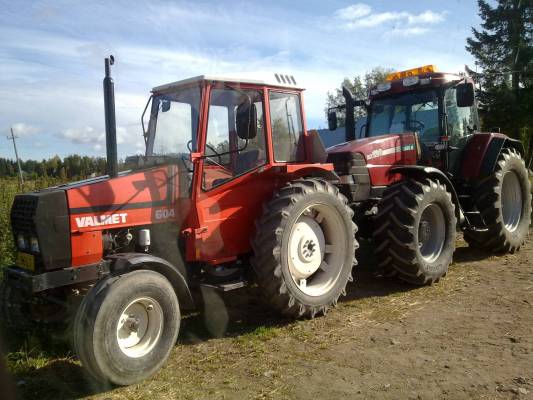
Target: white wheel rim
column 512, row 201
column 431, row 232
column 316, row 249
column 139, row 327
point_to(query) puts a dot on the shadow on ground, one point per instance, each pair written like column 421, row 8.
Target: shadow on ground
column 226, row 315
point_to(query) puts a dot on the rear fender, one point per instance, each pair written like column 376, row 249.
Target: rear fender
column 482, row 153
column 421, row 172
column 125, row 262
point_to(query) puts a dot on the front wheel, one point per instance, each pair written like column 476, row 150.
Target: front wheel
column 415, row 231
column 304, row 248
column 126, row 327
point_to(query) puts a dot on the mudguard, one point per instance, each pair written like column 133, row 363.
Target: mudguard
column 482, row 153
column 126, row 262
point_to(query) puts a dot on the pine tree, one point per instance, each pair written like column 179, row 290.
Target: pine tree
column 503, row 48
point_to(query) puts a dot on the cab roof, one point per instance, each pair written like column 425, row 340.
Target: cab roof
column 279, row 80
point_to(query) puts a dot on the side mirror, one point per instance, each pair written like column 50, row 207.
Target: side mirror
column 332, row 120
column 246, row 120
column 465, row 94
column 165, row 105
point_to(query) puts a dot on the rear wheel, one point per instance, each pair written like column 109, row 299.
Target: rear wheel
column 126, row 327
column 504, row 201
column 304, row 248
column 415, row 231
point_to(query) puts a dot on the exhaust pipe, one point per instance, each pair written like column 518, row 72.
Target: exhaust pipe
column 349, row 124
column 110, row 122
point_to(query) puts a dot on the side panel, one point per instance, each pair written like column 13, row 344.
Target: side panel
column 136, row 199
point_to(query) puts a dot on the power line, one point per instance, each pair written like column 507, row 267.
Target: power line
column 12, row 138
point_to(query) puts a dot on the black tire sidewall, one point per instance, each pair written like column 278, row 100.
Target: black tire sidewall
column 331, row 201
column 110, row 362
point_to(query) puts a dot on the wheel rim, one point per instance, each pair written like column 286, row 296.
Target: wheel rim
column 511, row 199
column 316, row 249
column 139, row 327
column 431, row 232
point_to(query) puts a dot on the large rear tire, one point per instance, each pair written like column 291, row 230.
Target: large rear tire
column 415, row 231
column 126, row 327
column 304, row 248
column 504, row 201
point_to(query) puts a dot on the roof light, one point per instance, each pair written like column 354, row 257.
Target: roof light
column 410, row 80
column 383, row 87
column 411, row 72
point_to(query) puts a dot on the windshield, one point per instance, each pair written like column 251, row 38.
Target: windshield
column 408, row 112
column 173, row 125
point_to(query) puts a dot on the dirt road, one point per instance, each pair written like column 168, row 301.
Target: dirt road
column 469, row 336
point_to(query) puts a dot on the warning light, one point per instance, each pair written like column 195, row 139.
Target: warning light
column 411, row 72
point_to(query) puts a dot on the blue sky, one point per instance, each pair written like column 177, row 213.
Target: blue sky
column 51, row 56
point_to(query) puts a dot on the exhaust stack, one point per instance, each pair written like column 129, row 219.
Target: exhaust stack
column 349, row 124
column 110, row 122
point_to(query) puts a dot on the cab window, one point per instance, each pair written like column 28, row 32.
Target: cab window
column 287, row 130
column 226, row 154
column 462, row 121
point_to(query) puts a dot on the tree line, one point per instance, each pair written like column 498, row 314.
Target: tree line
column 73, row 166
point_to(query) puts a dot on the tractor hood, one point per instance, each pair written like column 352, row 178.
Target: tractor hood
column 383, row 150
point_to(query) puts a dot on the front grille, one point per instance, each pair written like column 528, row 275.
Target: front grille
column 44, row 215
column 23, row 214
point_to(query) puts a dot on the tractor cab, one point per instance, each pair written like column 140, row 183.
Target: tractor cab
column 219, row 125
column 438, row 107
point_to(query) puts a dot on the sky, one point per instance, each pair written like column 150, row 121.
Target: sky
column 51, row 56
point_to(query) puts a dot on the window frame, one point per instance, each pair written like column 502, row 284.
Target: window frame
column 301, row 113
column 227, row 86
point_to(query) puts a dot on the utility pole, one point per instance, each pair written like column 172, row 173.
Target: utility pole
column 13, row 137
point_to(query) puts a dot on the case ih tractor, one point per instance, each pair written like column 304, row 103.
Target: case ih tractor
column 423, row 170
column 232, row 189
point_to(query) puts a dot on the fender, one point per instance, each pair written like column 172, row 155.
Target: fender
column 482, row 153
column 126, row 262
column 417, row 171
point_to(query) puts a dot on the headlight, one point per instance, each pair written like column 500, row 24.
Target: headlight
column 34, row 245
column 21, row 242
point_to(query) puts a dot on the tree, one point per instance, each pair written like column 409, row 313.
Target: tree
column 360, row 87
column 503, row 48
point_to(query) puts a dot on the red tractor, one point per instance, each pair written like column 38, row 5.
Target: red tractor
column 232, row 189
column 423, row 169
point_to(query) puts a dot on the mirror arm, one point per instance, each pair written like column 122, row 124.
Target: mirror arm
column 145, row 134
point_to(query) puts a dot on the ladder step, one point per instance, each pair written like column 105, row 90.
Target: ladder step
column 226, row 286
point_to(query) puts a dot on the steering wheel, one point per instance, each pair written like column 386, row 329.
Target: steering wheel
column 189, row 147
column 420, row 124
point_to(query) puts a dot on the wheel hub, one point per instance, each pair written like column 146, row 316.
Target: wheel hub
column 431, row 232
column 306, row 241
column 512, row 201
column 139, row 327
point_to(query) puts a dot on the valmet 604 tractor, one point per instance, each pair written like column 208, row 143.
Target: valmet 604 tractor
column 233, row 189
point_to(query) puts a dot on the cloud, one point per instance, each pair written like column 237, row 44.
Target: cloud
column 89, row 135
column 354, row 11
column 22, row 129
column 403, row 32
column 361, row 15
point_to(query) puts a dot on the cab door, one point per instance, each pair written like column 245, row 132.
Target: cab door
column 233, row 181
